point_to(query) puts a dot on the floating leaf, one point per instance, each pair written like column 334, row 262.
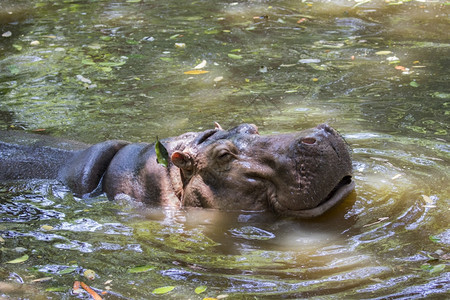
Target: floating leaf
column 196, row 72
column 47, row 227
column 414, row 84
column 168, row 59
column 112, row 64
column 234, row 56
column 68, row 270
column 383, row 52
column 309, row 61
column 437, row 268
column 180, row 45
column 163, row 290
column 14, row 69
column 433, row 269
column 200, row 65
column 434, row 239
column 441, row 95
column 200, row 289
column 89, row 274
column 426, row 267
column 93, row 294
column 17, row 47
column 19, row 260
column 162, row 156
column 77, row 288
column 106, row 69
column 427, row 199
column 42, row 279
column 212, row 31
column 87, row 62
column 140, row 269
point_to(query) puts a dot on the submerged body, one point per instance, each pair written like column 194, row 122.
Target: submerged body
column 301, row 174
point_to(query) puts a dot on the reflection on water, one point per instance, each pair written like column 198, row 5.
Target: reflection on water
column 108, row 69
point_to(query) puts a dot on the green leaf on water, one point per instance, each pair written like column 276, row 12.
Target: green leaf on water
column 132, row 42
column 200, row 289
column 112, row 64
column 163, row 290
column 162, row 156
column 437, row 268
column 433, row 269
column 19, row 260
column 426, row 267
column 68, row 270
column 212, row 31
column 434, row 239
column 140, row 269
column 17, row 47
column 88, row 62
column 106, row 69
column 234, row 56
column 414, row 84
column 14, row 69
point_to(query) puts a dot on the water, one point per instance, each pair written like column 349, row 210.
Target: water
column 106, row 69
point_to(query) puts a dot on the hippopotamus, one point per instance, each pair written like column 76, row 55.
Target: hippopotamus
column 301, row 174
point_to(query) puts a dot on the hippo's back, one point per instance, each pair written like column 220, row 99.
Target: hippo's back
column 24, row 155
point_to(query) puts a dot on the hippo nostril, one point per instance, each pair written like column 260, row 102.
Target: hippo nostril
column 308, row 140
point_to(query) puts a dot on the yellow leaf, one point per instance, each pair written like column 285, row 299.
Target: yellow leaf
column 89, row 274
column 196, row 72
column 46, row 227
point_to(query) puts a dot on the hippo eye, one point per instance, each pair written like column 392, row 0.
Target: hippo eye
column 224, row 154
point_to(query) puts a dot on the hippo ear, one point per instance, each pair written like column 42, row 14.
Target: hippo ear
column 182, row 160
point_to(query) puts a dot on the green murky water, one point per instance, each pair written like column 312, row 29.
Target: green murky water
column 97, row 70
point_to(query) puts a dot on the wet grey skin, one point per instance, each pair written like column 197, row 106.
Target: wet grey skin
column 301, row 174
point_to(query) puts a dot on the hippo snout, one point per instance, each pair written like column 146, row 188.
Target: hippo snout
column 319, row 173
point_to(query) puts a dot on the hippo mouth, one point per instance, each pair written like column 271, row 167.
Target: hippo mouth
column 339, row 192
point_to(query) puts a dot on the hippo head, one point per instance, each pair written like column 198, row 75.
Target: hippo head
column 301, row 174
